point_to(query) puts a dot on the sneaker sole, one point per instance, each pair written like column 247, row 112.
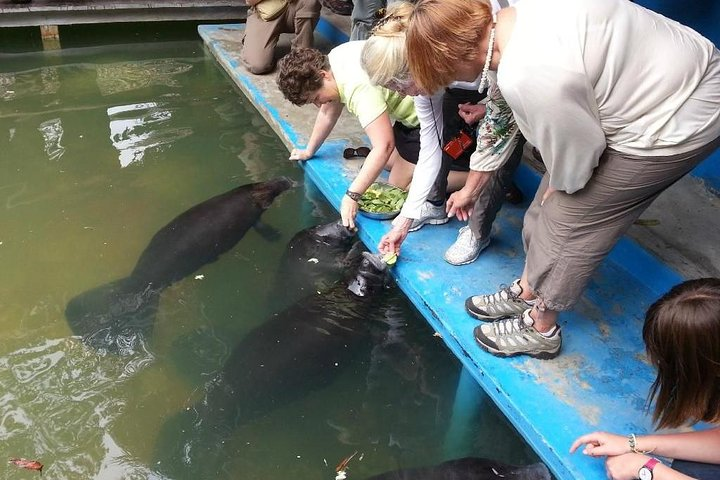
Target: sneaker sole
column 484, row 318
column 501, row 354
column 430, row 221
column 465, row 262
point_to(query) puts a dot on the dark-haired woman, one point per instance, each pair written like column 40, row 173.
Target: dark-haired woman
column 682, row 339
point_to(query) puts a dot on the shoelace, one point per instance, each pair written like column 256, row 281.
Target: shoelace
column 509, row 326
column 504, row 294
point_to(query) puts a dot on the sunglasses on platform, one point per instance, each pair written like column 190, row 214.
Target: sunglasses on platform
column 356, row 152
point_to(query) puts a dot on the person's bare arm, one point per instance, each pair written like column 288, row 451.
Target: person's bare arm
column 699, row 446
column 382, row 140
column 325, row 121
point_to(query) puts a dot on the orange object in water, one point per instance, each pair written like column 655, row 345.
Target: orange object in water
column 343, row 465
column 29, row 464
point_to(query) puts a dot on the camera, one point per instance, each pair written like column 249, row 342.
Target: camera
column 457, row 145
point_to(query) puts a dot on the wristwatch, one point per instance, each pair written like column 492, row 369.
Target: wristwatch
column 646, row 471
column 353, row 195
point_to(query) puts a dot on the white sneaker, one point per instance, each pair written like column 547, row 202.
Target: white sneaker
column 429, row 215
column 466, row 248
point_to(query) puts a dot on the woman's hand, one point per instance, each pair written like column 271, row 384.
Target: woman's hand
column 625, row 467
column 546, row 195
column 598, row 444
column 460, row 204
column 391, row 241
column 621, row 463
column 471, row 113
column 348, row 211
column 301, row 154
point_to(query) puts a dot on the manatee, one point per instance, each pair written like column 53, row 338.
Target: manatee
column 299, row 350
column 469, row 468
column 111, row 315
column 315, row 259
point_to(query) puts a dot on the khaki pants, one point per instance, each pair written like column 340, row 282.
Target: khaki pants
column 261, row 37
column 567, row 237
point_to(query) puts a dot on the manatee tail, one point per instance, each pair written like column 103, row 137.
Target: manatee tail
column 114, row 316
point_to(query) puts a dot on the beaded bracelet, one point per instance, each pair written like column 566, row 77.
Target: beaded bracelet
column 353, row 195
column 632, row 441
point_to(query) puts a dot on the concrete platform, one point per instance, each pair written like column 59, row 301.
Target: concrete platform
column 73, row 12
column 602, row 377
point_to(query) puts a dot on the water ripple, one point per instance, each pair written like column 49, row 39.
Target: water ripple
column 60, row 400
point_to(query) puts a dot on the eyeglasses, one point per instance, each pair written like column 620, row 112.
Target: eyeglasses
column 356, row 152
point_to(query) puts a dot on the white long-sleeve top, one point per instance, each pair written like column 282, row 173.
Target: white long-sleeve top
column 429, row 112
column 583, row 75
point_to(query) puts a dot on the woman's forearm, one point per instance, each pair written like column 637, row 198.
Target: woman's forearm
column 371, row 169
column 325, row 121
column 699, row 446
column 429, row 112
column 382, row 140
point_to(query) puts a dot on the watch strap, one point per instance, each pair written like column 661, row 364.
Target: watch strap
column 650, row 464
column 353, row 195
column 646, row 471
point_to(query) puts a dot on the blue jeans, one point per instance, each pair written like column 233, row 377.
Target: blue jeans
column 700, row 471
column 363, row 16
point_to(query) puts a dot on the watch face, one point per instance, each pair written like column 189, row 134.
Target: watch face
column 645, row 474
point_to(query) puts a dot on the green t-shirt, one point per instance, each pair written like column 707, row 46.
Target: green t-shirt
column 363, row 99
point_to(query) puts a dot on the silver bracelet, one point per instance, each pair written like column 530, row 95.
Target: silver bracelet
column 632, row 441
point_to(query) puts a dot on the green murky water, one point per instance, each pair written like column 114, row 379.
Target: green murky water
column 100, row 147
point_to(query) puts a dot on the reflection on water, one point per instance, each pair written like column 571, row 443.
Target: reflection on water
column 52, row 132
column 23, row 84
column 52, row 382
column 7, row 80
column 133, row 143
column 139, row 127
column 127, row 76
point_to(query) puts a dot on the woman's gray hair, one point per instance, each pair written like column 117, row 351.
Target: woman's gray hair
column 383, row 56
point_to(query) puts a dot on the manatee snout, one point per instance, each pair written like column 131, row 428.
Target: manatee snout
column 335, row 233
column 265, row 192
column 371, row 275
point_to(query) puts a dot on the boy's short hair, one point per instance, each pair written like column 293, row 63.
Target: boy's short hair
column 299, row 74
